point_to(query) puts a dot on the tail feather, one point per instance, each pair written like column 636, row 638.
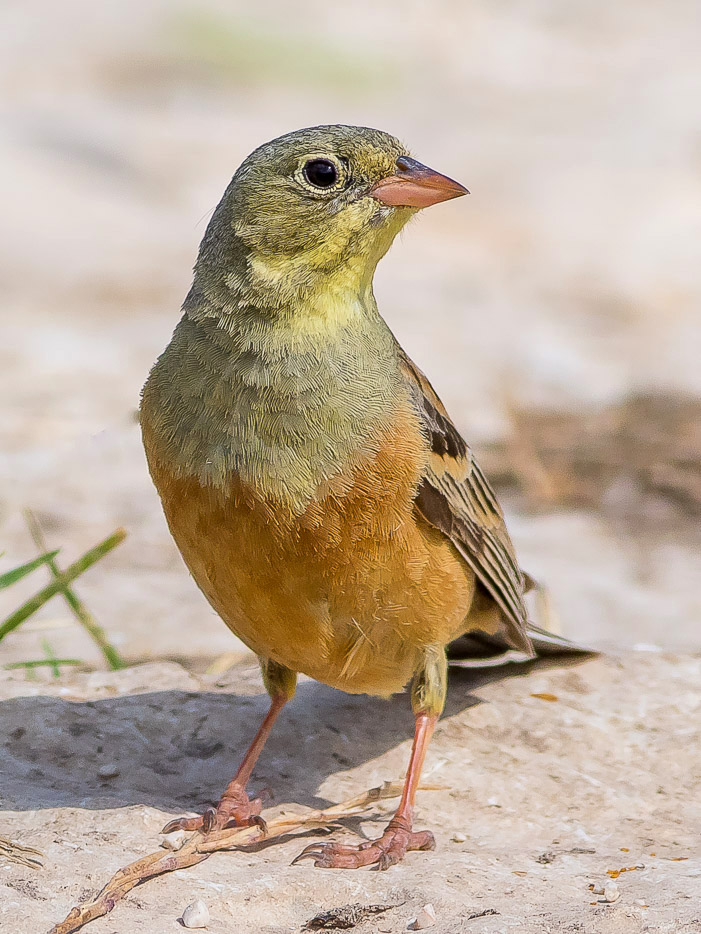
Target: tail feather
column 481, row 650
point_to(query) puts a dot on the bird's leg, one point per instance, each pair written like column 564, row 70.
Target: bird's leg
column 235, row 808
column 427, row 700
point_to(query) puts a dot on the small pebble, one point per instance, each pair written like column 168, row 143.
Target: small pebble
column 458, row 838
column 173, row 841
column 424, row 919
column 611, row 892
column 196, row 915
column 109, row 770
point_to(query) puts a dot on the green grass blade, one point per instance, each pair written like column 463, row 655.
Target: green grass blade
column 59, row 583
column 39, row 662
column 80, row 611
column 16, row 574
column 51, row 658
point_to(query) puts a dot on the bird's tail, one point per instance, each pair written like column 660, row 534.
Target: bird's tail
column 478, row 649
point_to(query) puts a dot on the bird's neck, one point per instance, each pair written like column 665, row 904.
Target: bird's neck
column 285, row 398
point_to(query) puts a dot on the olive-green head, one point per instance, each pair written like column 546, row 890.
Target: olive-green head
column 318, row 201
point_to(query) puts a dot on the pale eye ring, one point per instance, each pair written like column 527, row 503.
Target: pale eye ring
column 321, row 173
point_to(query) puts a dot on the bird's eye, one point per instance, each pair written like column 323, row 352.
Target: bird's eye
column 322, row 173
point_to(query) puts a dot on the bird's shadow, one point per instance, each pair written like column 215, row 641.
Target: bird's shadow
column 177, row 750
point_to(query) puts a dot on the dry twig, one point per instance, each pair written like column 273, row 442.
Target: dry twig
column 19, row 853
column 199, row 847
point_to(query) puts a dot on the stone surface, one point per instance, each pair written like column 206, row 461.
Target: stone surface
column 604, row 781
column 196, row 915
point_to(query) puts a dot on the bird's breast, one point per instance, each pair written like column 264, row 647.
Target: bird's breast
column 283, row 410
column 347, row 591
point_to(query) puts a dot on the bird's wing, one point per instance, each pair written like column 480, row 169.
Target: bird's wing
column 455, row 498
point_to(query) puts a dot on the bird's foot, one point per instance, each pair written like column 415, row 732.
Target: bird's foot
column 235, row 809
column 384, row 852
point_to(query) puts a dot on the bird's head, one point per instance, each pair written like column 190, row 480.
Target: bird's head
column 319, row 202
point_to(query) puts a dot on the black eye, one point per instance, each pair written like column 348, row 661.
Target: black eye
column 321, row 173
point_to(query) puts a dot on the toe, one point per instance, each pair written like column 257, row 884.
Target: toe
column 388, row 858
column 421, row 840
column 221, row 817
column 387, row 851
column 183, row 823
column 337, row 856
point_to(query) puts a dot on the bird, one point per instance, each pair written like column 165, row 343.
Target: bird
column 314, row 483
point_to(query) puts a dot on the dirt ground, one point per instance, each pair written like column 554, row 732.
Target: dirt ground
column 550, row 796
column 542, row 307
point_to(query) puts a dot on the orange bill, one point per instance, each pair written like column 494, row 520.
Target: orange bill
column 416, row 186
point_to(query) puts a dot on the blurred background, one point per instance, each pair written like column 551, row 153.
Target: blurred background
column 556, row 309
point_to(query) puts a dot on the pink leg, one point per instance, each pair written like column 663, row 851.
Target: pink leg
column 235, row 807
column 398, row 837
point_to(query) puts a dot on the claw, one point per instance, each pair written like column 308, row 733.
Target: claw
column 257, row 821
column 209, row 820
column 314, row 851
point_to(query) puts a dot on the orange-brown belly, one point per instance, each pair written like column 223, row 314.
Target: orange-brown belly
column 349, row 592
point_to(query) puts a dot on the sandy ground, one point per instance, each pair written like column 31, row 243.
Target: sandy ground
column 569, row 278
column 550, row 797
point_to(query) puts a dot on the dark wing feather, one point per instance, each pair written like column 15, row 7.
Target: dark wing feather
column 455, row 498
